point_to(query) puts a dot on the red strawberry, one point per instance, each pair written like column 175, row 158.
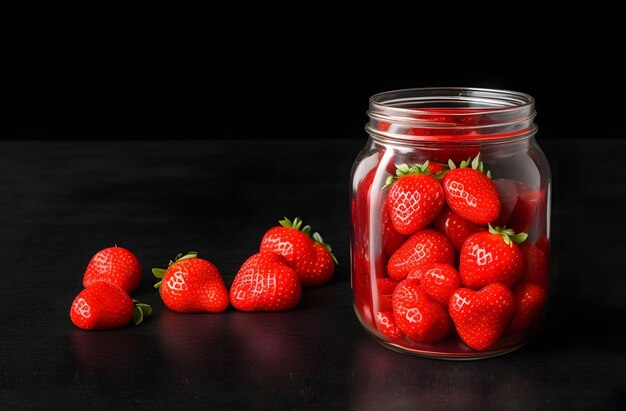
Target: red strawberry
column 535, row 265
column 526, row 212
column 508, row 191
column 115, row 265
column 419, row 317
column 425, row 246
column 311, row 258
column 415, row 198
column 385, row 288
column 434, row 168
column 383, row 126
column 103, row 305
column 439, row 280
column 191, row 284
column 456, row 228
column 386, row 285
column 265, row 282
column 445, row 152
column 480, row 317
column 543, row 244
column 322, row 266
column 470, row 193
column 392, row 240
column 491, row 257
column 387, row 325
column 529, row 303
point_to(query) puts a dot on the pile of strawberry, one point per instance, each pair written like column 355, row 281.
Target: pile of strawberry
column 289, row 258
column 111, row 275
column 449, row 270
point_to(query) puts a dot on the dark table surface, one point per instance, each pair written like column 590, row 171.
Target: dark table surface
column 60, row 202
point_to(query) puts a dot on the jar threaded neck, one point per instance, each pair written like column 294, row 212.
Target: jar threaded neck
column 450, row 114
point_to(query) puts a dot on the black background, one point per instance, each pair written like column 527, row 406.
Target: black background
column 293, row 81
column 97, row 70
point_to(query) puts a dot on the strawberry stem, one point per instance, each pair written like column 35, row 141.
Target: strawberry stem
column 474, row 163
column 508, row 235
column 296, row 224
column 404, row 170
column 140, row 312
column 160, row 272
column 318, row 239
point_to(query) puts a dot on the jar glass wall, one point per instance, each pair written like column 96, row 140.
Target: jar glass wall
column 450, row 215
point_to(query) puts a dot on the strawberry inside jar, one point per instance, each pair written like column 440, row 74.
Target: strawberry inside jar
column 450, row 227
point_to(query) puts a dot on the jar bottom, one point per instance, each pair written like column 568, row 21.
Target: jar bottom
column 448, row 355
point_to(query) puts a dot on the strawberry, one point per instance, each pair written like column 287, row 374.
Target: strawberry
column 535, row 265
column 543, row 244
column 445, row 152
column 265, row 282
column 383, row 126
column 435, row 168
column 322, row 267
column 115, row 265
column 470, row 193
column 491, row 257
column 480, row 317
column 439, row 280
column 387, row 325
column 527, row 209
column 103, row 305
column 385, row 288
column 419, row 317
column 311, row 258
column 455, row 227
column 529, row 303
column 425, row 246
column 415, row 198
column 386, row 285
column 509, row 192
column 392, row 240
column 191, row 284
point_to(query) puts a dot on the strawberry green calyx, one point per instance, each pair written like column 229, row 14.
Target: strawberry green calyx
column 296, row 224
column 474, row 163
column 508, row 235
column 160, row 272
column 318, row 239
column 140, row 312
column 404, row 170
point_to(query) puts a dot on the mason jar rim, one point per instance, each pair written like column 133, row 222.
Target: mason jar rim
column 416, row 114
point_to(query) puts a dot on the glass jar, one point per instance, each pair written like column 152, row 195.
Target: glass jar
column 450, row 215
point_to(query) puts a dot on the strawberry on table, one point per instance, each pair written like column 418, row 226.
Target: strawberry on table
column 419, row 317
column 491, row 256
column 425, row 246
column 415, row 198
column 439, row 280
column 470, row 193
column 103, row 305
column 191, row 284
column 307, row 254
column 480, row 317
column 115, row 265
column 265, row 282
column 322, row 267
column 529, row 301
